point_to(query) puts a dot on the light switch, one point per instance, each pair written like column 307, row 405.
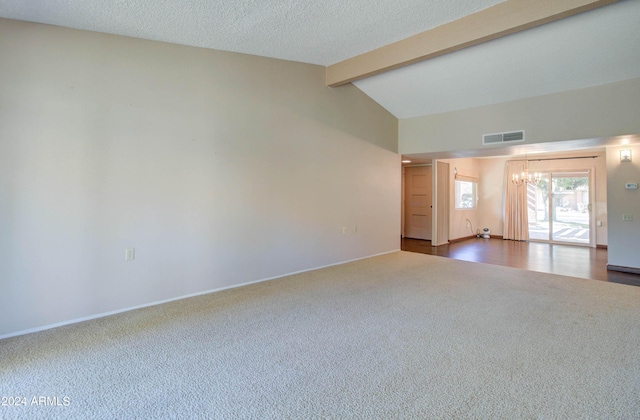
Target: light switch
column 627, row 217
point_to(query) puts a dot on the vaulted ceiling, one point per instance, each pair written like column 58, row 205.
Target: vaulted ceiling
column 588, row 49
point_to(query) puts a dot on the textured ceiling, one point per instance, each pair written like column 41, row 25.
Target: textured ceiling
column 318, row 32
column 590, row 49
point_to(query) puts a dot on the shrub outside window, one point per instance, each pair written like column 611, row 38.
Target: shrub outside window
column 465, row 194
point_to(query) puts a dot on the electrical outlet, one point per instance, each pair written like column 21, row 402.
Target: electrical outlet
column 129, row 254
column 627, row 217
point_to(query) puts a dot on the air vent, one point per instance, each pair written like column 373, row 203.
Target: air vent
column 496, row 138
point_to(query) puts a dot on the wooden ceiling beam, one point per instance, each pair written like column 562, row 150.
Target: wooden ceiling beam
column 494, row 22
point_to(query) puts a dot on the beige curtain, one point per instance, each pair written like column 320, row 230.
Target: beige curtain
column 466, row 178
column 516, row 223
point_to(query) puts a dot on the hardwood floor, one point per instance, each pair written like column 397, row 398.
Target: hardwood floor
column 590, row 263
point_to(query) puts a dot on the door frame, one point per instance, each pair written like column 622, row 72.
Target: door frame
column 591, row 207
column 441, row 203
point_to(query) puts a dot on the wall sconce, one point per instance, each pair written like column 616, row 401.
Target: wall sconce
column 625, row 155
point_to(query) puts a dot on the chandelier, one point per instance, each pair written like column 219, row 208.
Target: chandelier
column 525, row 178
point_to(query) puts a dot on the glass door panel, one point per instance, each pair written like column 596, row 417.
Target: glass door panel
column 559, row 209
column 538, row 205
column 570, row 198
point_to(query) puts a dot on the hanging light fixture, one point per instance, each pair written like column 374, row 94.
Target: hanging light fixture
column 524, row 178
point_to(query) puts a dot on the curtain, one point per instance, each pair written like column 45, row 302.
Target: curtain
column 516, row 223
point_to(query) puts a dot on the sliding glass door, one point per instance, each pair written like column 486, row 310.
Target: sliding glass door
column 560, row 208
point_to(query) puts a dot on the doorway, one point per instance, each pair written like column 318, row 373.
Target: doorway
column 559, row 208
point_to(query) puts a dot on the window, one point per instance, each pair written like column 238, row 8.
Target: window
column 465, row 193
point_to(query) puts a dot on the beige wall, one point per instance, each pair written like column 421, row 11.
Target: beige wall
column 598, row 112
column 491, row 194
column 219, row 168
column 491, row 172
column 458, row 217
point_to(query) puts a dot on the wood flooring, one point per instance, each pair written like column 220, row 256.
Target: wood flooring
column 568, row 260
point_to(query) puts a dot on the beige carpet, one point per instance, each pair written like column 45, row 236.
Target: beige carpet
column 398, row 336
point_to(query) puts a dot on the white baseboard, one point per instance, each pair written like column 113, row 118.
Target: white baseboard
column 160, row 302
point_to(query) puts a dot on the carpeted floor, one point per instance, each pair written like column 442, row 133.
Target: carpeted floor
column 402, row 335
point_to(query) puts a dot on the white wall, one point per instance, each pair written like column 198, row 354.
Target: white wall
column 218, row 168
column 624, row 236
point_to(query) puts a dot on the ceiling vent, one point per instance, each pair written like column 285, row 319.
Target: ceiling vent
column 496, row 138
